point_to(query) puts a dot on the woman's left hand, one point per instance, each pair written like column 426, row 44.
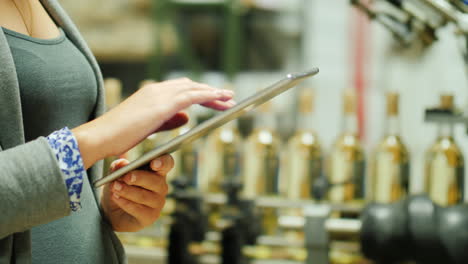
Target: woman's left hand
column 135, row 201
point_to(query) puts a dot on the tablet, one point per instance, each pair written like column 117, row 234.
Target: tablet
column 204, row 128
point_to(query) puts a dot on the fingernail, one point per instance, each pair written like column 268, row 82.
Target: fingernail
column 115, row 163
column 133, row 178
column 157, row 164
column 116, row 196
column 231, row 102
column 117, row 186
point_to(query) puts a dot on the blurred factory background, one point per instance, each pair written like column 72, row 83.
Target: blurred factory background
column 413, row 49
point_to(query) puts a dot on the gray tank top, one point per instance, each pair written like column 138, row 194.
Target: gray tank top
column 58, row 88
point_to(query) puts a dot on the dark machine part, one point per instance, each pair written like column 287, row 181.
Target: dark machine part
column 320, row 188
column 441, row 115
column 396, row 2
column 406, row 26
column 462, row 5
column 243, row 226
column 232, row 242
column 455, row 11
column 415, row 229
column 399, row 29
column 189, row 222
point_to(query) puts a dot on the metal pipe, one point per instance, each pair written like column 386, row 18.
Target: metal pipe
column 343, row 226
column 398, row 29
column 277, row 202
column 453, row 15
column 444, row 8
column 335, row 226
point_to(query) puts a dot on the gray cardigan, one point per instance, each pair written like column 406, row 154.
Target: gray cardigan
column 32, row 190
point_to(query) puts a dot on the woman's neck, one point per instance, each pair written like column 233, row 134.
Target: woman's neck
column 27, row 17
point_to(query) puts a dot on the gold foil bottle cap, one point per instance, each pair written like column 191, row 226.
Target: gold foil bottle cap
column 146, row 82
column 113, row 91
column 392, row 103
column 446, row 101
column 349, row 101
column 306, row 101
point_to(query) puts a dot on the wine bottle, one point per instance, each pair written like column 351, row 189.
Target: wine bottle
column 186, row 158
column 262, row 156
column 304, row 153
column 221, row 155
column 389, row 176
column 261, row 165
column 346, row 161
column 444, row 181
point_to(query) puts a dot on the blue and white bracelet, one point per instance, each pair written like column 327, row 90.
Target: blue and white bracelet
column 68, row 155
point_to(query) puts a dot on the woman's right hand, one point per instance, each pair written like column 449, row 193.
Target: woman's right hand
column 143, row 113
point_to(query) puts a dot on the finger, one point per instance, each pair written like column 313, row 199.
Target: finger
column 145, row 215
column 176, row 121
column 187, row 84
column 117, row 164
column 205, row 87
column 147, row 180
column 138, row 195
column 162, row 164
column 184, row 84
column 220, row 105
column 201, row 97
column 226, row 99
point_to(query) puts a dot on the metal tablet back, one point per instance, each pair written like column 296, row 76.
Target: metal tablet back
column 204, row 128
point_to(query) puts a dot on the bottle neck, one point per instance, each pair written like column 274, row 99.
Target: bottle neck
column 392, row 126
column 305, row 121
column 445, row 130
column 350, row 124
column 265, row 120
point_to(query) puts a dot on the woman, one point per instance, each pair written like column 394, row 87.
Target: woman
column 53, row 135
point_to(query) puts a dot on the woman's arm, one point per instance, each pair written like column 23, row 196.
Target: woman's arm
column 142, row 114
column 32, row 189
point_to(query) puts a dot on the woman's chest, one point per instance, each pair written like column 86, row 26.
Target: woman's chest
column 57, row 84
